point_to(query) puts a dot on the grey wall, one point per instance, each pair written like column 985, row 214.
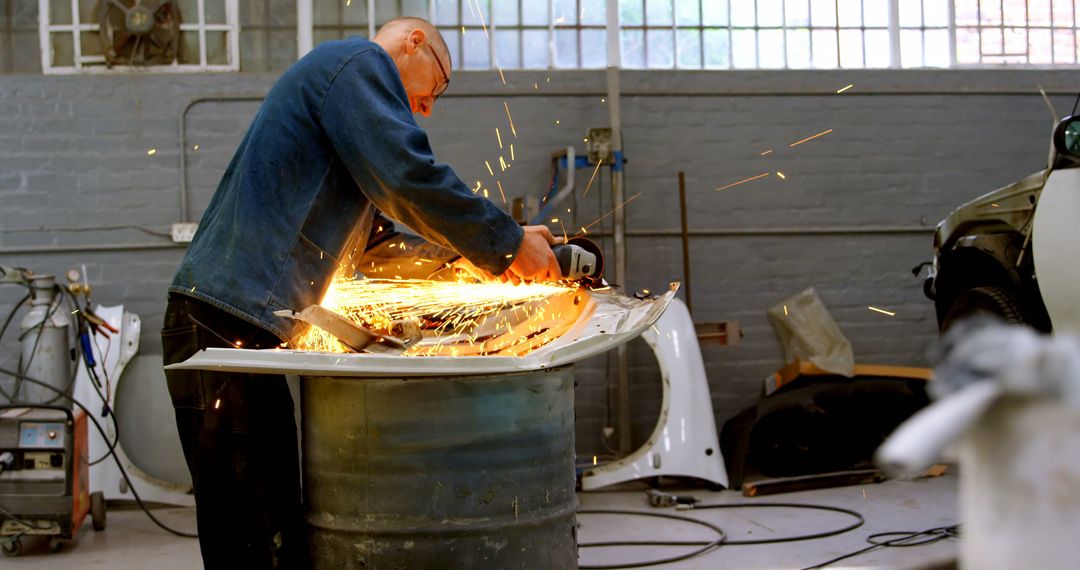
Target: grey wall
column 78, row 187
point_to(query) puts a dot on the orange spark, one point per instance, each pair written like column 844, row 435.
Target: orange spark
column 842, row 89
column 613, row 210
column 810, row 138
column 767, row 152
column 591, row 178
column 503, row 194
column 511, row 119
column 743, row 181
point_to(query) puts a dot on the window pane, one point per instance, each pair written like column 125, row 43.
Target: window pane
column 937, row 48
column 1063, row 13
column 967, row 13
column 91, row 43
column 742, row 15
column 566, row 48
column 88, row 12
column 214, row 12
column 851, row 49
column 507, row 48
column 850, row 12
column 471, row 17
column 876, row 14
column 658, row 13
column 911, row 54
column 534, row 13
column 593, row 48
column 990, row 13
column 63, row 48
column 386, row 11
column 631, row 12
column 593, row 12
column 798, row 13
column 506, row 12
column 1016, row 41
column 771, row 49
column 688, row 13
column 744, row 49
column 822, row 13
column 535, row 49
column 217, row 48
column 1064, row 46
column 911, row 14
column 453, row 44
column 446, row 12
column 714, row 14
column 936, row 13
column 689, row 49
column 59, row 12
column 717, row 49
column 477, row 50
column 967, row 45
column 825, row 54
column 1039, row 47
column 770, row 13
column 415, row 8
column 661, row 48
column 1038, row 12
column 633, row 48
column 877, row 48
column 565, row 12
column 798, row 44
column 189, row 48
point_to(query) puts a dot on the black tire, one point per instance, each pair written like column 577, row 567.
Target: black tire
column 11, row 548
column 97, row 510
column 993, row 300
column 56, row 545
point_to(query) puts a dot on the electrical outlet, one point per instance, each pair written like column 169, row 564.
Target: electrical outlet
column 183, row 233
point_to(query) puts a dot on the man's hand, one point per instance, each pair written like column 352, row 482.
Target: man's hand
column 464, row 267
column 534, row 260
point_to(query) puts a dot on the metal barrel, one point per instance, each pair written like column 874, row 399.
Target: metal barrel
column 440, row 472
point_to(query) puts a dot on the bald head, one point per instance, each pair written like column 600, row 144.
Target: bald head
column 422, row 59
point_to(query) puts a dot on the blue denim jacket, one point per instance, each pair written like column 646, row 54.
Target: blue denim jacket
column 334, row 140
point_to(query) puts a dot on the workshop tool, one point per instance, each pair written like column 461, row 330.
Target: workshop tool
column 580, row 260
column 659, row 498
column 44, row 486
column 776, row 486
column 352, row 335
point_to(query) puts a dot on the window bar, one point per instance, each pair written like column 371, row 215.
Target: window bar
column 757, row 38
column 304, row 27
column 922, row 30
column 1027, row 29
column 371, row 19
column 862, row 32
column 644, row 35
column 551, row 34
column 675, row 34
column 730, row 37
column 44, row 36
column 202, row 32
column 1053, row 51
column 1075, row 26
column 894, row 34
column 232, row 19
column 836, row 14
column 577, row 32
column 521, row 34
column 431, row 12
column 952, row 33
column 783, row 30
column 461, row 37
column 491, row 34
column 701, row 33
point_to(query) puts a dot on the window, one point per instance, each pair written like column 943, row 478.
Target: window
column 79, row 36
column 19, row 37
column 267, row 35
column 1040, row 32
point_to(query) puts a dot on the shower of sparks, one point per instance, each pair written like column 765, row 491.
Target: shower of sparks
column 556, row 121
column 444, row 308
column 591, row 178
column 501, row 193
column 498, row 135
column 488, row 165
column 501, row 76
column 536, row 86
column 882, row 311
column 196, row 147
column 512, row 151
column 485, row 192
column 743, row 181
column 502, row 164
column 781, row 175
column 511, row 119
column 463, row 30
column 613, row 210
column 474, row 191
column 842, row 89
column 994, row 205
column 768, row 152
column 151, row 152
column 785, row 311
column 562, row 227
column 348, row 3
column 810, row 138
column 482, row 22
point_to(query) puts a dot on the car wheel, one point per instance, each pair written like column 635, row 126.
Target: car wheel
column 994, row 300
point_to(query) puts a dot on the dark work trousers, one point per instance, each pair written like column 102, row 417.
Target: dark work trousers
column 239, row 439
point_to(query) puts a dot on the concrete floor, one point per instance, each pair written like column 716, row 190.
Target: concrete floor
column 132, row 541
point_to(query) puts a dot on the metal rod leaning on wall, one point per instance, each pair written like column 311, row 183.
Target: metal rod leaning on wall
column 182, row 127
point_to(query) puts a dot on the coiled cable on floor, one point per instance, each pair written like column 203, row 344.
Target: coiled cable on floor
column 707, row 546
column 903, row 539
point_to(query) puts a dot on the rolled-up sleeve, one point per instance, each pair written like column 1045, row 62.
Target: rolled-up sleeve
column 366, row 116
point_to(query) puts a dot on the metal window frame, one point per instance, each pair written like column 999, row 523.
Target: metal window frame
column 88, row 64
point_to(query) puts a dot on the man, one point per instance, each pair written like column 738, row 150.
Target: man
column 334, row 140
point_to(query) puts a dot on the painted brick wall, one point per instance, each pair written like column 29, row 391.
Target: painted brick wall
column 77, row 186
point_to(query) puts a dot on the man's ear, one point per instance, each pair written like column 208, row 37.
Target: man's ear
column 414, row 39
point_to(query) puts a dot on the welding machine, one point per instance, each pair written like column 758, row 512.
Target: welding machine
column 44, row 487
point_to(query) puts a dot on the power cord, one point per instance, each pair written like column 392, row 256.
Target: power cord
column 708, row 546
column 119, row 464
column 904, row 539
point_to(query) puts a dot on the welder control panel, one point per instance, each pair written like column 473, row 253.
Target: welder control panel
column 41, row 435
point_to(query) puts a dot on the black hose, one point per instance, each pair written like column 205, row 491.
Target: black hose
column 721, row 537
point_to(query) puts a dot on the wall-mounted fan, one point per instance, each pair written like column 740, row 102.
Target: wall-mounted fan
column 139, row 32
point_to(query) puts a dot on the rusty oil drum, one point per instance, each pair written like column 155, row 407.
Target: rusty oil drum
column 440, row 472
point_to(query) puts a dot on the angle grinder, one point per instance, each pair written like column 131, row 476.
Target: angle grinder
column 580, row 260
